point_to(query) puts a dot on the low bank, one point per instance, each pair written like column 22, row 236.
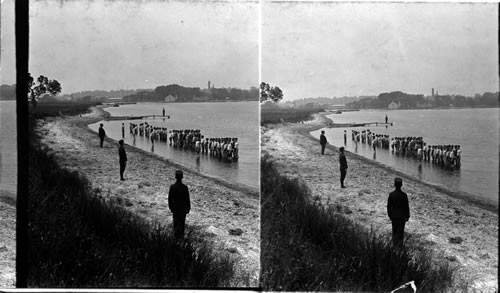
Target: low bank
column 461, row 233
column 223, row 214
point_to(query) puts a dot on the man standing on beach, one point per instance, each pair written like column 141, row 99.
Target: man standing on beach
column 102, row 133
column 179, row 204
column 322, row 141
column 123, row 158
column 343, row 166
column 386, row 119
column 345, row 137
column 398, row 211
column 123, row 130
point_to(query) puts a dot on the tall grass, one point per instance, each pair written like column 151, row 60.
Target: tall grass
column 308, row 247
column 66, row 108
column 77, row 239
column 270, row 116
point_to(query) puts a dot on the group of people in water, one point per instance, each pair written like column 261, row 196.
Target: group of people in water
column 414, row 147
column 371, row 138
column 223, row 148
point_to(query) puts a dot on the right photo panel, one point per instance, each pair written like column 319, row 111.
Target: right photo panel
column 379, row 147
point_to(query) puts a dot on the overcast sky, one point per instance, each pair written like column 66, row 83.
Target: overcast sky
column 88, row 45
column 337, row 49
column 309, row 49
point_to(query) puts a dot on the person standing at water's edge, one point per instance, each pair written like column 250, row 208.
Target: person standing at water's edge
column 322, row 141
column 343, row 166
column 345, row 137
column 398, row 211
column 123, row 158
column 102, row 134
column 179, row 204
column 123, row 130
column 386, row 119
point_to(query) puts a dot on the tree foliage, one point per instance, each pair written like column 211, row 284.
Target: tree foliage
column 268, row 92
column 43, row 85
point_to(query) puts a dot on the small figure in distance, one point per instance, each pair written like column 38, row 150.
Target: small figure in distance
column 323, row 141
column 102, row 134
column 343, row 166
column 398, row 211
column 386, row 119
column 123, row 158
column 345, row 137
column 123, row 130
column 179, row 204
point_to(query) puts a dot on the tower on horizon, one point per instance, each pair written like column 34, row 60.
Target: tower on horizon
column 433, row 92
column 209, row 84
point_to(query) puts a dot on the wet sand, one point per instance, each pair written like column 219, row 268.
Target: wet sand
column 218, row 207
column 436, row 216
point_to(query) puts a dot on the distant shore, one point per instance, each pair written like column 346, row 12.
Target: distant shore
column 218, row 208
column 437, row 215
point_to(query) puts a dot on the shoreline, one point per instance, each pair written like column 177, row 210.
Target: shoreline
column 240, row 187
column 471, row 198
column 218, row 208
column 437, row 216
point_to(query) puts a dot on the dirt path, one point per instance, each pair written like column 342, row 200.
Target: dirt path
column 435, row 215
column 217, row 207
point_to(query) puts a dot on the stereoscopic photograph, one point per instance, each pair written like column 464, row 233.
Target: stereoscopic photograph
column 253, row 145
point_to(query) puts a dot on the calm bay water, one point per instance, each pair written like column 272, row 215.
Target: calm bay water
column 233, row 119
column 475, row 130
column 8, row 146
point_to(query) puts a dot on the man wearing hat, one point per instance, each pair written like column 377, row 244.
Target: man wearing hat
column 343, row 166
column 398, row 211
column 322, row 141
column 179, row 204
column 102, row 133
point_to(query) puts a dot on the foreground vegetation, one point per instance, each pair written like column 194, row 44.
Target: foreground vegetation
column 78, row 239
column 308, row 247
column 269, row 116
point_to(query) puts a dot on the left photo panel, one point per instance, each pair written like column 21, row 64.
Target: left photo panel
column 144, row 144
column 8, row 147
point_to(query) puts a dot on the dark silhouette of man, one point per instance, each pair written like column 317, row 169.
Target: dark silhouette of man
column 123, row 130
column 179, row 204
column 398, row 211
column 322, row 141
column 343, row 166
column 386, row 119
column 102, row 133
column 345, row 137
column 123, row 158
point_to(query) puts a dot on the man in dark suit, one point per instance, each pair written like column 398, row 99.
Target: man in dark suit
column 102, row 133
column 322, row 141
column 398, row 211
column 179, row 204
column 343, row 166
column 123, row 158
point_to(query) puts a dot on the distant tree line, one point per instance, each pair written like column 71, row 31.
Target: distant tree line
column 7, row 92
column 192, row 94
column 110, row 94
column 415, row 101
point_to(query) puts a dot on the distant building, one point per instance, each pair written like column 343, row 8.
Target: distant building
column 170, row 98
column 393, row 106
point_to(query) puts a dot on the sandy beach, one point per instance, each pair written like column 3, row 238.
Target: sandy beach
column 7, row 239
column 223, row 213
column 436, row 215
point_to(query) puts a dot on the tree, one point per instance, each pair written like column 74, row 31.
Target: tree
column 270, row 93
column 44, row 86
